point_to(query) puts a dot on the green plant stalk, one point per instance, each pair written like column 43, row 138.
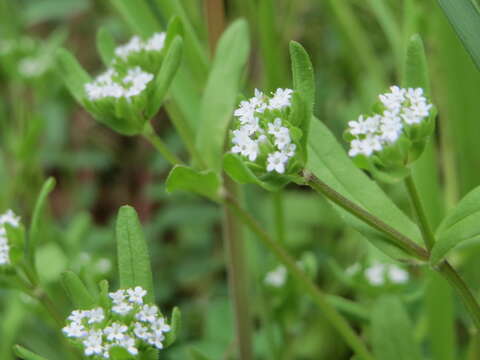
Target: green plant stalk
column 237, row 274
column 157, row 142
column 332, row 315
column 397, row 238
column 279, row 216
column 444, row 268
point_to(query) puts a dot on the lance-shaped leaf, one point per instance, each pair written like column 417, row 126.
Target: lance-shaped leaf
column 465, row 19
column 72, row 73
column 237, row 169
column 25, row 354
column 76, row 291
column 329, row 162
column 204, row 183
column 174, row 29
column 462, row 224
column 165, row 76
column 392, row 331
column 35, row 225
column 138, row 15
column 302, row 72
column 175, row 323
column 106, row 46
column 133, row 259
column 221, row 92
column 415, row 72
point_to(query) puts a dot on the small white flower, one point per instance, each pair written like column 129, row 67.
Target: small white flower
column 118, row 297
column 276, row 277
column 275, row 127
column 148, row 313
column 122, row 308
column 289, row 150
column 276, row 162
column 282, row 139
column 160, row 326
column 141, row 331
column 115, row 331
column 128, row 343
column 75, row 330
column 93, row 343
column 11, row 219
column 136, row 295
column 95, row 315
column 281, row 99
column 156, row 42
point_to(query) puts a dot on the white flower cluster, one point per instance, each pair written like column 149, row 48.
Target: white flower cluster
column 136, row 45
column 403, row 107
column 253, row 132
column 378, row 274
column 8, row 218
column 111, row 84
column 129, row 323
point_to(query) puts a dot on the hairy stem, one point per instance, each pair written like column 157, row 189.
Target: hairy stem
column 332, row 315
column 396, row 238
column 159, row 145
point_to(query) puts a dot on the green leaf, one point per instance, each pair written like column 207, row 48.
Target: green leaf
column 138, row 15
column 197, row 355
column 329, row 162
column 133, row 259
column 416, row 70
column 35, row 224
column 465, row 19
column 302, row 72
column 221, row 92
column 105, row 46
column 205, row 183
column 25, row 354
column 165, row 76
column 72, row 74
column 175, row 324
column 392, row 331
column 76, row 291
column 174, row 29
column 461, row 224
column 236, row 168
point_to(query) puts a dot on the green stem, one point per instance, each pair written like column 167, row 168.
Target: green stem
column 238, row 282
column 332, row 315
column 157, row 142
column 427, row 233
column 444, row 268
column 396, row 238
column 279, row 216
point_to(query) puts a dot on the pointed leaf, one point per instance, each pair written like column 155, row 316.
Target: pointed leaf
column 76, row 291
column 221, row 92
column 175, row 323
column 133, row 259
column 205, row 183
column 138, row 15
column 72, row 74
column 165, row 76
column 105, row 46
column 392, row 331
column 462, row 224
column 302, row 72
column 25, row 354
column 329, row 162
column 465, row 19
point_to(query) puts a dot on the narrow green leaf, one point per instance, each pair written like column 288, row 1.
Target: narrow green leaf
column 302, row 72
column 329, row 162
column 76, row 291
column 25, row 354
column 106, row 46
column 174, row 29
column 175, row 323
column 35, row 224
column 72, row 74
column 165, row 76
column 138, row 16
column 460, row 225
column 416, row 72
column 465, row 19
column 221, row 92
column 392, row 331
column 133, row 259
column 184, row 178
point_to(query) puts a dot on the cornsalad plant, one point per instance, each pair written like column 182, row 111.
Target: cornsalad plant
column 327, row 174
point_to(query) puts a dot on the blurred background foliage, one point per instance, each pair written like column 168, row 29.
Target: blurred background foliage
column 357, row 47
